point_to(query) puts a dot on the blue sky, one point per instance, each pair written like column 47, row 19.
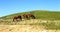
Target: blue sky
column 14, row 6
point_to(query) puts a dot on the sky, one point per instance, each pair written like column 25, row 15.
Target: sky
column 14, row 6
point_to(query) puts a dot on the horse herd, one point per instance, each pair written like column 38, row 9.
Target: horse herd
column 25, row 16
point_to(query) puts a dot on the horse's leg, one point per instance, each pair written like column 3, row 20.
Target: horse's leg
column 13, row 19
column 21, row 18
column 28, row 17
column 33, row 17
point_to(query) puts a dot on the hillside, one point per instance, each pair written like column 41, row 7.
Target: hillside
column 48, row 19
column 40, row 14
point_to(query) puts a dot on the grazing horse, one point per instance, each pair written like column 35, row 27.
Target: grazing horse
column 27, row 16
column 17, row 17
column 32, row 16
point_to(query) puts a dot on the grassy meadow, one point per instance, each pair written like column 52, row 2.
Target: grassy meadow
column 40, row 14
column 50, row 19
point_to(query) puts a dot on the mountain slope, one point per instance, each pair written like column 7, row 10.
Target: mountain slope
column 40, row 14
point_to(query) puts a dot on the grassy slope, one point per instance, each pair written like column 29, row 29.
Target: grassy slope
column 40, row 15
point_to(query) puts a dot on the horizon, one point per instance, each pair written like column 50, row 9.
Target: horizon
column 8, row 7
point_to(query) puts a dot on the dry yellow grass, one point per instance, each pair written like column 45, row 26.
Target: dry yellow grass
column 24, row 28
column 27, row 27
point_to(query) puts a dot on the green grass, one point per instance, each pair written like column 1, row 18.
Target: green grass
column 44, row 15
column 53, row 25
column 49, row 25
column 47, row 15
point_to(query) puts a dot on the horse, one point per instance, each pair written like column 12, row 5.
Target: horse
column 17, row 17
column 27, row 16
column 32, row 16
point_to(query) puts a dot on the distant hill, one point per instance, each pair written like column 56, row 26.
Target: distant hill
column 40, row 14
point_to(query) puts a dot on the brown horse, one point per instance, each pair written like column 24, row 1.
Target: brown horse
column 32, row 16
column 27, row 16
column 17, row 17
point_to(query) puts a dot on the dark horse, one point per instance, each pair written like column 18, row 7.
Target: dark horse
column 32, row 16
column 27, row 16
column 17, row 17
